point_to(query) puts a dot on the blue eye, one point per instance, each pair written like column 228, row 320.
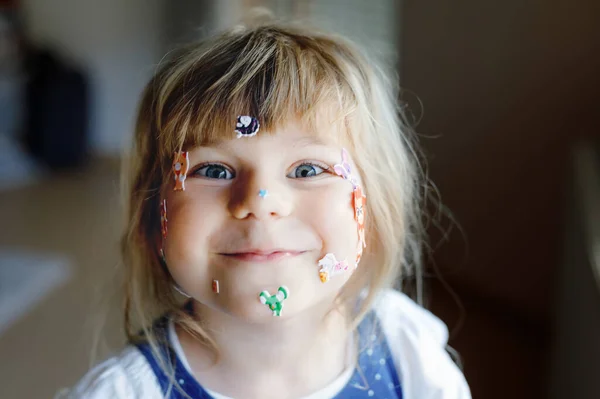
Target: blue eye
column 214, row 171
column 306, row 170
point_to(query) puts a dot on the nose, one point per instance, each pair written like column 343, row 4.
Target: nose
column 259, row 198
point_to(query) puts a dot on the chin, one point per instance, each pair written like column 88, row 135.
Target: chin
column 255, row 314
column 240, row 293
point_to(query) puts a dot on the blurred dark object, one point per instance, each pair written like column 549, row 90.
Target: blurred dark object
column 56, row 111
column 576, row 341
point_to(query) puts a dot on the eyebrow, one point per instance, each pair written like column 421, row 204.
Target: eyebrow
column 305, row 141
column 308, row 141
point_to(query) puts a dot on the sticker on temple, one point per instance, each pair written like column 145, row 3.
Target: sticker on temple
column 181, row 165
column 345, row 170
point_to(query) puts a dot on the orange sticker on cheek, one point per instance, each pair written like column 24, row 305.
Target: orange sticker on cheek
column 359, row 201
column 180, row 169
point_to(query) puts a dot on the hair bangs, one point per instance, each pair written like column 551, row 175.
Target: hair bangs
column 270, row 77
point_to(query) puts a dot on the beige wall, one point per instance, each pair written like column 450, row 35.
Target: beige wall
column 116, row 42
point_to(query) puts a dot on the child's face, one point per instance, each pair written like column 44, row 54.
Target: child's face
column 221, row 228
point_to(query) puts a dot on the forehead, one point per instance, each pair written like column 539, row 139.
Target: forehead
column 293, row 131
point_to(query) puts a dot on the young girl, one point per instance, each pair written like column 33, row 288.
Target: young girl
column 273, row 202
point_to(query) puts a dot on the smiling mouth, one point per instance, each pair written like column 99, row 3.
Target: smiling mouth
column 262, row 256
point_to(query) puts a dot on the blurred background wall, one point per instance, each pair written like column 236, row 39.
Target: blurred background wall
column 507, row 88
column 116, row 42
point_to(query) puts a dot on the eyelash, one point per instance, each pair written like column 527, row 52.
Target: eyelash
column 322, row 166
column 204, row 165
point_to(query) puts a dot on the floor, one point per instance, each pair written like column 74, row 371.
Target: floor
column 75, row 215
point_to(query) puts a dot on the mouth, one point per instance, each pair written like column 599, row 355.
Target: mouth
column 257, row 256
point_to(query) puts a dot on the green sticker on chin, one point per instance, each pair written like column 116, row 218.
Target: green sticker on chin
column 274, row 302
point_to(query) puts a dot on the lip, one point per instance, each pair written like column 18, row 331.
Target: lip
column 259, row 256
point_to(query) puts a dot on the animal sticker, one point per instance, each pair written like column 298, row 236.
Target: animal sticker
column 274, row 302
column 180, row 168
column 344, row 169
column 330, row 266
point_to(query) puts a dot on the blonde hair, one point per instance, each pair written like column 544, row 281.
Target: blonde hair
column 274, row 72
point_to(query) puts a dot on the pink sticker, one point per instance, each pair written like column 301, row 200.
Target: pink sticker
column 330, row 266
column 344, row 169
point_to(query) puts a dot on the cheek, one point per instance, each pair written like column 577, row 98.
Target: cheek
column 191, row 219
column 333, row 220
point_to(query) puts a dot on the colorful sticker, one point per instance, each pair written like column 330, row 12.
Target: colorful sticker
column 330, row 266
column 344, row 169
column 263, row 193
column 163, row 218
column 246, row 126
column 180, row 169
column 274, row 302
column 215, row 286
column 358, row 201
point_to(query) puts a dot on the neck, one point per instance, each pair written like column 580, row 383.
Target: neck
column 296, row 355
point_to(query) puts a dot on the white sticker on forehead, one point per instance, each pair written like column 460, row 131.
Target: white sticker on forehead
column 345, row 170
column 246, row 126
